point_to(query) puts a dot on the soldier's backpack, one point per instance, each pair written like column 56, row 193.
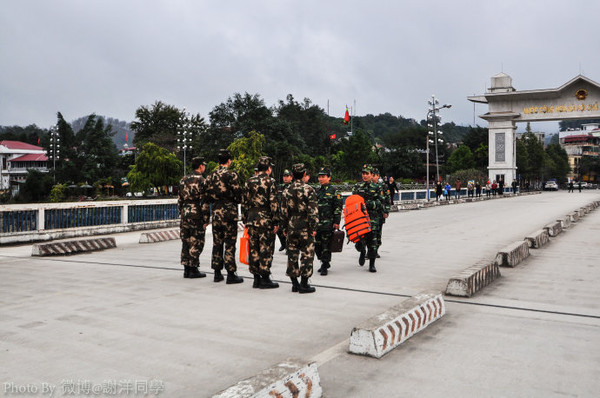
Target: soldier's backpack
column 357, row 221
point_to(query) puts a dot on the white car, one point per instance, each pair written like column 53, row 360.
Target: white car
column 551, row 186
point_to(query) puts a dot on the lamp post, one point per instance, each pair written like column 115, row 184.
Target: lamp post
column 54, row 148
column 184, row 138
column 434, row 123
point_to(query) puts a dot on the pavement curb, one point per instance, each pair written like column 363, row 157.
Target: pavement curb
column 382, row 333
column 538, row 238
column 553, row 228
column 565, row 222
column 291, row 378
column 513, row 254
column 159, row 236
column 473, row 279
column 72, row 246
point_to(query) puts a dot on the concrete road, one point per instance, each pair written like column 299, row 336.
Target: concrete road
column 125, row 318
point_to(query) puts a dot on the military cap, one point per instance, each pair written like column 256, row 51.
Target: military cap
column 324, row 171
column 286, row 172
column 264, row 161
column 298, row 168
column 375, row 171
column 367, row 168
column 199, row 160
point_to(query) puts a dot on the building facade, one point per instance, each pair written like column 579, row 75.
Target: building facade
column 16, row 158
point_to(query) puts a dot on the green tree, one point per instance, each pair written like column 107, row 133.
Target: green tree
column 36, row 188
column 97, row 154
column 460, row 159
column 154, row 167
column 161, row 123
column 246, row 151
column 558, row 162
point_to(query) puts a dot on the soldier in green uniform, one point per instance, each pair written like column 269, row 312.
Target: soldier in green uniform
column 329, row 202
column 195, row 216
column 224, row 191
column 385, row 208
column 299, row 215
column 287, row 180
column 373, row 197
column 260, row 214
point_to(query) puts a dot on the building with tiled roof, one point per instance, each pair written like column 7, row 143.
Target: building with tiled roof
column 16, row 158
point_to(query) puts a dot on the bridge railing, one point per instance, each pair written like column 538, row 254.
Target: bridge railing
column 55, row 220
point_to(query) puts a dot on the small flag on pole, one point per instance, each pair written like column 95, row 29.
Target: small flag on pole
column 346, row 116
column 38, row 140
column 126, row 137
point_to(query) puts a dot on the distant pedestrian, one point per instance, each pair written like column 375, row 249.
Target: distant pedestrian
column 477, row 189
column 514, row 185
column 439, row 190
column 579, row 185
column 447, row 190
column 488, row 188
column 457, row 186
column 571, row 186
column 501, row 186
column 392, row 189
column 471, row 189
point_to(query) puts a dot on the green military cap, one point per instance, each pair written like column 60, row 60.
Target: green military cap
column 324, row 171
column 367, row 168
column 286, row 172
column 375, row 171
column 298, row 168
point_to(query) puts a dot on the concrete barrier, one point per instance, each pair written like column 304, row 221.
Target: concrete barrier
column 291, row 378
column 410, row 206
column 72, row 246
column 473, row 279
column 581, row 212
column 513, row 254
column 382, row 333
column 538, row 238
column 574, row 216
column 565, row 222
column 159, row 236
column 553, row 228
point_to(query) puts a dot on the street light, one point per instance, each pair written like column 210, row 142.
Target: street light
column 54, row 148
column 434, row 123
column 184, row 138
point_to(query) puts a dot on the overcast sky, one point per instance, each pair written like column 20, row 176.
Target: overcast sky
column 110, row 57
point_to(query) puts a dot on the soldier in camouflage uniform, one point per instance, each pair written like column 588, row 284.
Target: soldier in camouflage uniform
column 329, row 202
column 374, row 199
column 224, row 190
column 195, row 215
column 260, row 214
column 385, row 208
column 299, row 215
column 287, row 180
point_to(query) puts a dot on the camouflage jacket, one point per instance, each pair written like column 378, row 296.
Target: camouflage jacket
column 329, row 202
column 373, row 196
column 191, row 203
column 224, row 191
column 299, row 207
column 385, row 192
column 260, row 203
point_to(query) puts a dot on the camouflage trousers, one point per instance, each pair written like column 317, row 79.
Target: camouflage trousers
column 224, row 242
column 262, row 245
column 372, row 240
column 191, row 233
column 322, row 242
column 300, row 244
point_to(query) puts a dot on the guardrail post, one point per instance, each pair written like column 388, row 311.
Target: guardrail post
column 41, row 218
column 125, row 214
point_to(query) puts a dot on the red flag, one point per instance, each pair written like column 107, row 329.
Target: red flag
column 332, row 136
column 346, row 116
column 126, row 137
column 38, row 140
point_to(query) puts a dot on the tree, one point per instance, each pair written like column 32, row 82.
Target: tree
column 352, row 153
column 154, row 167
column 97, row 155
column 460, row 159
column 558, row 162
column 36, row 188
column 160, row 124
column 246, row 151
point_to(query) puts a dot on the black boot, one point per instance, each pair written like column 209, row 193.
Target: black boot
column 295, row 284
column 256, row 283
column 267, row 283
column 186, row 271
column 372, row 265
column 324, row 268
column 194, row 272
column 305, row 287
column 282, row 248
column 361, row 259
column 232, row 278
column 218, row 276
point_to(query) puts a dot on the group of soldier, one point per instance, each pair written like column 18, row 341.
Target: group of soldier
column 303, row 218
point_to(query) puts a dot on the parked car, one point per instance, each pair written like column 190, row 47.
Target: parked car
column 550, row 186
